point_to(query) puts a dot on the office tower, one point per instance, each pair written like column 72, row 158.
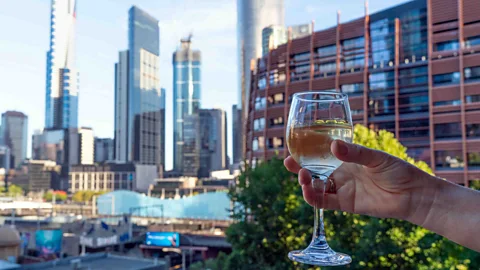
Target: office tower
column 14, row 130
column 205, row 142
column 419, row 82
column 87, row 146
column 186, row 94
column 272, row 37
column 237, row 127
column 4, row 158
column 276, row 35
column 61, row 100
column 252, row 17
column 213, row 141
column 138, row 97
column 103, row 150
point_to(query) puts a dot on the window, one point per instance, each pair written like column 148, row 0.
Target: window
column 472, row 74
column 473, row 159
column 260, row 103
column 447, row 46
column 258, row 143
column 448, row 131
column 382, row 125
column 327, row 68
column 276, row 121
column 446, row 103
column 414, row 123
column 352, row 43
column 449, row 159
column 301, row 56
column 381, row 80
column 361, row 111
column 446, row 78
column 473, row 130
column 414, row 133
column 275, row 142
column 262, row 82
column 276, row 99
column 472, row 98
column 259, row 124
column 327, row 50
column 472, row 41
column 352, row 88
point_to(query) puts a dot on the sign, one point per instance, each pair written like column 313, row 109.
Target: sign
column 48, row 242
column 163, row 239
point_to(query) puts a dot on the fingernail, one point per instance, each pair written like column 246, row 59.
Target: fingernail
column 342, row 148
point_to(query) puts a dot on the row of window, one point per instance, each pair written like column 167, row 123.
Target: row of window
column 453, row 159
column 452, row 45
column 456, row 102
column 259, row 124
column 272, row 143
column 471, row 74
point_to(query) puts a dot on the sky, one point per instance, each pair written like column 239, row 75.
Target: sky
column 102, row 32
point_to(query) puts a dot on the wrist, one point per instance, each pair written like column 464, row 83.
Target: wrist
column 424, row 198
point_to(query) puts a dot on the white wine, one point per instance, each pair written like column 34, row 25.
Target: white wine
column 310, row 145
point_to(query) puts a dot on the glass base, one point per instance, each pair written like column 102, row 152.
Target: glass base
column 320, row 257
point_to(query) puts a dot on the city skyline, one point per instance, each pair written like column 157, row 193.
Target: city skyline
column 100, row 36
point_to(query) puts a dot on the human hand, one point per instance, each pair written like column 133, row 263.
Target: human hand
column 370, row 182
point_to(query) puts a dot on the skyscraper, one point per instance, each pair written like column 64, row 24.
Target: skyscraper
column 186, row 93
column 237, row 126
column 14, row 130
column 252, row 17
column 205, row 142
column 61, row 100
column 103, row 150
column 139, row 100
column 276, row 35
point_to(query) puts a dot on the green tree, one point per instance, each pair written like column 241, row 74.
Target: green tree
column 13, row 191
column 60, row 196
column 272, row 219
column 86, row 195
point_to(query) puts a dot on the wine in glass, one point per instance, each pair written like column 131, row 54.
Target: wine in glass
column 315, row 120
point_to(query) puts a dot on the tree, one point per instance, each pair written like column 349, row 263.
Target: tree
column 13, row 191
column 60, row 196
column 272, row 219
column 86, row 195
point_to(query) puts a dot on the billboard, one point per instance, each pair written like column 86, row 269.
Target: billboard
column 162, row 239
column 48, row 242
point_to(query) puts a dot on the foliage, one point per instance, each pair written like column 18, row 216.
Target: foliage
column 60, row 196
column 13, row 191
column 86, row 196
column 272, row 219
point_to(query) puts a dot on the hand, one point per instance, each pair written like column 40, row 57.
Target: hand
column 370, row 182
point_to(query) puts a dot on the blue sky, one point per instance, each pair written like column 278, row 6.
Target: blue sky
column 102, row 32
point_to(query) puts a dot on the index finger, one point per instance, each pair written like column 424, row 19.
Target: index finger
column 291, row 165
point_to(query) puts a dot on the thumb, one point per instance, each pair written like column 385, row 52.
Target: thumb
column 354, row 153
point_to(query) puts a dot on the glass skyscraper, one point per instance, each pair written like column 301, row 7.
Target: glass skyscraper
column 186, row 94
column 13, row 134
column 252, row 17
column 61, row 100
column 139, row 100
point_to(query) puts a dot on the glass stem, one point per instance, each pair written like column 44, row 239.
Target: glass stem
column 319, row 183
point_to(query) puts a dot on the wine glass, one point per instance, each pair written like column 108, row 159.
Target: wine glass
column 315, row 120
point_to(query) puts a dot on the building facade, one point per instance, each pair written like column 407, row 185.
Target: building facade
column 237, row 128
column 37, row 176
column 276, row 35
column 252, row 17
column 139, row 100
column 412, row 69
column 103, row 150
column 4, row 158
column 14, row 135
column 186, row 94
column 61, row 100
column 112, row 176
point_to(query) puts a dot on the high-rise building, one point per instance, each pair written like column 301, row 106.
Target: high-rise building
column 276, row 35
column 4, row 158
column 186, row 94
column 139, row 100
column 237, row 127
column 86, row 143
column 205, row 142
column 252, row 17
column 420, row 82
column 61, row 100
column 103, row 150
column 14, row 130
column 213, row 141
